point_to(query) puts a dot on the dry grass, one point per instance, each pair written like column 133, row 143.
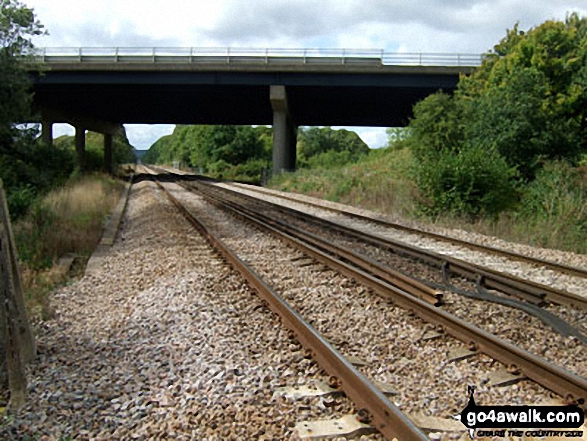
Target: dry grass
column 379, row 183
column 68, row 220
column 80, row 211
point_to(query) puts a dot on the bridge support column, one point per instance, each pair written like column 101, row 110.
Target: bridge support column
column 47, row 132
column 80, row 147
column 284, row 132
column 108, row 156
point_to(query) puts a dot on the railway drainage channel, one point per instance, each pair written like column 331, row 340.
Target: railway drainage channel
column 420, row 360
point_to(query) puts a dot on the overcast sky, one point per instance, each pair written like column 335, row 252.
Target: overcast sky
column 454, row 26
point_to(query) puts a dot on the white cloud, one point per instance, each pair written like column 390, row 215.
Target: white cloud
column 419, row 25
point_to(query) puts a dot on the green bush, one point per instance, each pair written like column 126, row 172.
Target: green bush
column 471, row 182
column 19, row 200
column 332, row 159
column 251, row 170
column 555, row 206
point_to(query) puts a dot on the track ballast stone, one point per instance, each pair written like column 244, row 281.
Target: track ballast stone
column 165, row 342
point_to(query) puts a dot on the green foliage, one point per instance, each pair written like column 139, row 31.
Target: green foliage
column 380, row 181
column 324, row 147
column 330, row 159
column 22, row 170
column 437, row 126
column 555, row 204
column 473, row 181
column 19, row 199
column 243, row 152
column 228, row 152
column 122, row 151
column 397, row 137
column 156, row 152
column 525, row 105
column 17, row 26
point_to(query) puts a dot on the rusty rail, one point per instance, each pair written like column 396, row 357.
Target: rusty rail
column 385, row 416
column 394, row 278
column 550, row 376
column 530, row 291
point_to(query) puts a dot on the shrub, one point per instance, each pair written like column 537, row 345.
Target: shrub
column 555, row 206
column 19, row 200
column 472, row 182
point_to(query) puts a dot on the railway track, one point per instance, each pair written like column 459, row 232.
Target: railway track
column 568, row 385
column 376, row 408
column 485, row 278
column 555, row 266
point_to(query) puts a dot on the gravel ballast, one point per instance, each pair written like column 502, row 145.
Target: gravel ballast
column 165, row 341
column 363, row 325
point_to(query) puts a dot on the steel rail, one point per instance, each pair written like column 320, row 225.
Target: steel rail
column 394, row 278
column 556, row 266
column 528, row 290
column 385, row 416
column 550, row 376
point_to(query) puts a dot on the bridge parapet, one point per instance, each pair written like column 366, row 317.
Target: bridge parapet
column 251, row 56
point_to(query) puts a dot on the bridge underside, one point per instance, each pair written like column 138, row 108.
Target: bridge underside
column 309, row 105
column 309, row 98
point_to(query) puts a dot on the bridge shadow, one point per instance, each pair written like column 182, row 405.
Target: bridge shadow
column 170, row 177
column 174, row 178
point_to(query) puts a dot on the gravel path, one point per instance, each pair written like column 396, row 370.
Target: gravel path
column 165, row 342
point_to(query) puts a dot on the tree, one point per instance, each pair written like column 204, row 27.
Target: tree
column 17, row 26
column 530, row 102
column 323, row 146
column 231, row 152
column 21, row 168
column 526, row 104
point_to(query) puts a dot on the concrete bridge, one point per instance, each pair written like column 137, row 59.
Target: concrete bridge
column 99, row 89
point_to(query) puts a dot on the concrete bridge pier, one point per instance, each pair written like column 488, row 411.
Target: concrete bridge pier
column 284, row 132
column 47, row 132
column 80, row 147
column 49, row 116
column 108, row 155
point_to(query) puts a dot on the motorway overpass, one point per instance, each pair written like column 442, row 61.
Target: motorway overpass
column 99, row 89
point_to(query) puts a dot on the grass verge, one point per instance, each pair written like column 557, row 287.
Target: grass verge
column 67, row 221
column 551, row 211
column 379, row 182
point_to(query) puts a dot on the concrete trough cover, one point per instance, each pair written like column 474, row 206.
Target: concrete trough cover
column 356, row 361
column 385, row 388
column 431, row 335
column 346, row 426
column 458, row 354
column 504, row 378
column 434, row 424
column 316, row 389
